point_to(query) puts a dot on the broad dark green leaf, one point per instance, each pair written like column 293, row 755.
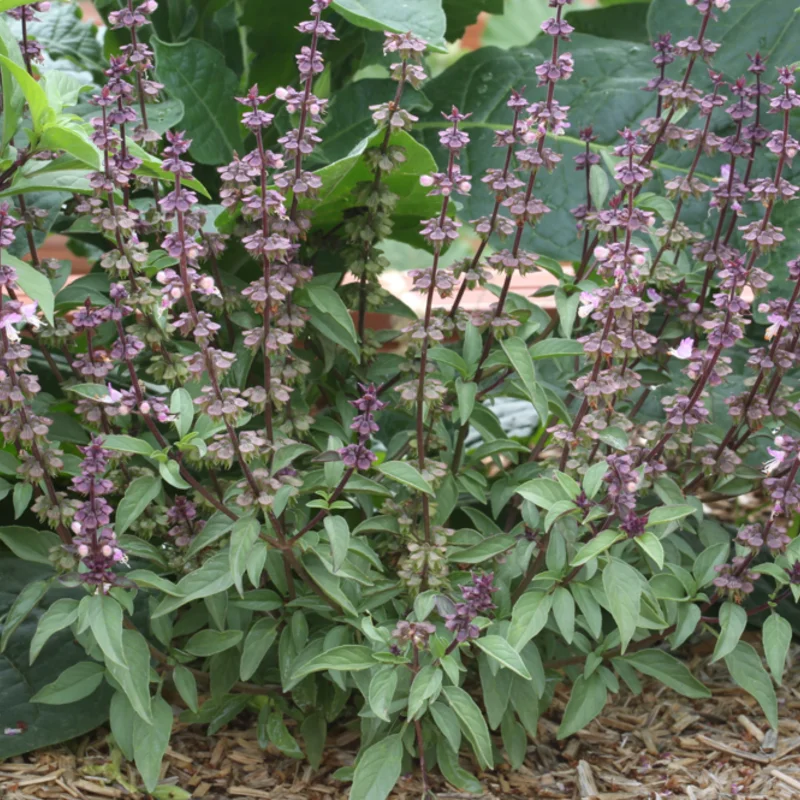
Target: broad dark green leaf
column 603, row 92
column 46, row 724
column 425, row 18
column 195, row 73
column 626, row 22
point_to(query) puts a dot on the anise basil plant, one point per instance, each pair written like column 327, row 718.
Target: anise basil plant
column 227, row 493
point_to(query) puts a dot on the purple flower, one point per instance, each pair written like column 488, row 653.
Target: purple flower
column 358, row 456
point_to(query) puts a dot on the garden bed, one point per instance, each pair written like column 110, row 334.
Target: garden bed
column 657, row 744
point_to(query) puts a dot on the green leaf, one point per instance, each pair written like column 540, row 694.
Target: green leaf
column 138, row 496
column 382, row 687
column 258, row 642
column 150, row 742
column 207, row 643
column 121, row 717
column 346, row 658
column 564, row 613
column 426, row 686
column 378, row 769
column 35, row 96
column 405, row 473
column 745, row 667
column 60, row 615
column 339, row 537
column 528, row 617
column 279, row 736
column 667, row 669
column 328, row 302
column 75, row 683
column 105, row 620
column 22, row 496
column 544, row 492
column 594, row 547
column 732, row 622
column 447, row 722
column 586, row 700
column 64, row 33
column 425, row 18
column 340, row 180
column 72, row 142
column 127, row 444
column 472, row 724
column 134, row 678
column 651, row 545
column 213, row 577
column 777, row 637
column 627, row 22
column 34, row 284
column 500, row 650
column 489, row 548
column 314, row 730
column 463, row 13
column 170, row 471
column 466, row 393
column 244, row 535
column 195, row 73
column 330, row 329
column 13, row 98
column 623, row 589
column 181, row 405
column 703, row 569
column 29, row 544
column 517, row 352
column 567, row 307
column 663, row 514
column 556, row 348
column 186, row 685
column 24, row 603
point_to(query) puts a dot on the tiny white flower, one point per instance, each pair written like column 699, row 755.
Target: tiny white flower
column 772, row 331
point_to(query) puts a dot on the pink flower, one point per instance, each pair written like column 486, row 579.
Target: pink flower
column 684, row 350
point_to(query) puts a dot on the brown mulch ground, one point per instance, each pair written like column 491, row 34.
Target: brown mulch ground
column 657, row 745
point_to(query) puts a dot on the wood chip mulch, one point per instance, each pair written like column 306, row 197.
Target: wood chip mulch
column 657, row 745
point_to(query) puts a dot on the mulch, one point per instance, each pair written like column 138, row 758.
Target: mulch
column 655, row 745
